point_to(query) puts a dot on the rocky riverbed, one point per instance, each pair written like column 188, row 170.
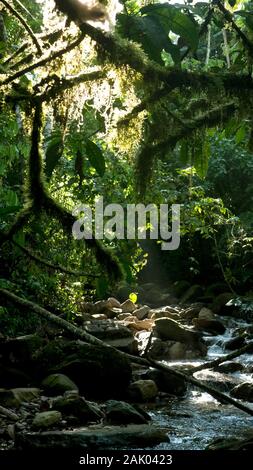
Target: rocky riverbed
column 57, row 391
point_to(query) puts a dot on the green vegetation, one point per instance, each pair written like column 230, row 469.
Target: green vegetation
column 157, row 111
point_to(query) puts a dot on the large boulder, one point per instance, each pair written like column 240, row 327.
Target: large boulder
column 220, row 304
column 16, row 396
column 142, row 390
column 142, row 312
column 74, row 405
column 96, row 370
column 56, row 384
column 174, row 350
column 214, row 327
column 46, row 419
column 229, row 367
column 120, row 412
column 243, row 391
column 114, row 334
column 166, row 381
column 234, row 343
column 168, row 329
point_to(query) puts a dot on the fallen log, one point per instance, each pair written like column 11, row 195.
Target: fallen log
column 228, row 357
column 148, row 362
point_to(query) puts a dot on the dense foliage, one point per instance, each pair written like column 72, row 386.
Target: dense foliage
column 159, row 110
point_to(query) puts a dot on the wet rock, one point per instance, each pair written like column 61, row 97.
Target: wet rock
column 155, row 314
column 142, row 390
column 139, row 325
column 191, row 312
column 120, row 412
column 113, row 303
column 219, row 303
column 214, row 327
column 174, row 350
column 57, row 384
column 128, row 345
column 206, row 314
column 97, row 371
column 99, row 316
column 123, row 316
column 112, row 312
column 230, row 367
column 46, row 419
column 243, row 391
column 134, row 435
column 128, row 306
column 166, row 381
column 191, row 294
column 168, row 329
column 74, row 405
column 232, row 443
column 142, row 312
column 234, row 343
column 14, row 397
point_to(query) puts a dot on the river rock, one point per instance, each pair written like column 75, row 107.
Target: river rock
column 113, row 303
column 168, row 329
column 120, row 412
column 234, row 343
column 206, row 314
column 174, row 350
column 16, row 396
column 243, row 391
column 123, row 316
column 57, row 384
column 191, row 312
column 74, row 405
column 230, row 367
column 139, row 325
column 99, row 316
column 46, row 419
column 155, row 314
column 142, row 390
column 97, row 371
column 104, row 437
column 220, row 302
column 232, row 443
column 128, row 306
column 112, row 312
column 214, row 327
column 191, row 294
column 142, row 312
column 166, row 381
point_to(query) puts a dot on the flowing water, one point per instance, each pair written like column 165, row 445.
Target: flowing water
column 198, row 418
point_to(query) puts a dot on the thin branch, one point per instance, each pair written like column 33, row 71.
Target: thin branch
column 211, row 364
column 53, row 36
column 46, row 60
column 56, row 267
column 229, row 18
column 24, row 23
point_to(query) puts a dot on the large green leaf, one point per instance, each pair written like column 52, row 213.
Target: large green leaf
column 150, row 33
column 201, row 156
column 53, row 153
column 172, row 19
column 96, row 157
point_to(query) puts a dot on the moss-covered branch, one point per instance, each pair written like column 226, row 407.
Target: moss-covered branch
column 55, row 267
column 49, row 58
column 24, row 24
